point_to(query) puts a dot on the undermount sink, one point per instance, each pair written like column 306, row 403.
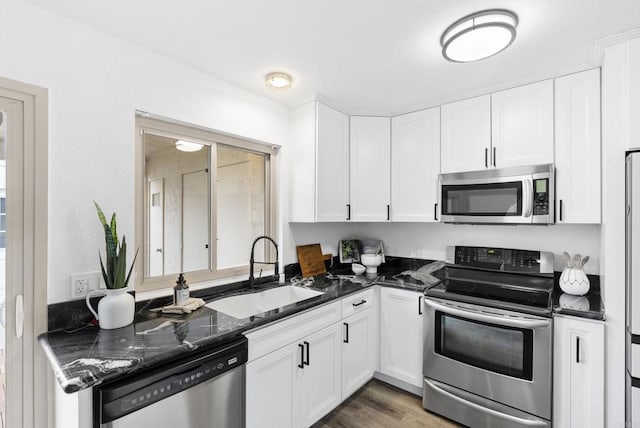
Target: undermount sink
column 246, row 305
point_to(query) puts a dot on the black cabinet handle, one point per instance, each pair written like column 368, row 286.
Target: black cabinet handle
column 420, row 305
column 560, row 209
column 388, row 212
column 494, row 156
column 435, row 212
column 348, row 211
column 362, row 302
column 346, row 339
column 301, row 346
column 307, row 345
column 578, row 349
column 486, row 157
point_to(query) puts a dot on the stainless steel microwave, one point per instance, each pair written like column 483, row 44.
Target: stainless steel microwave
column 516, row 195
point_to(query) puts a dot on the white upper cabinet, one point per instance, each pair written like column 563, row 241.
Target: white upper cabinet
column 370, row 176
column 513, row 127
column 415, row 164
column 466, row 135
column 522, row 125
column 577, row 124
column 332, row 163
column 318, row 158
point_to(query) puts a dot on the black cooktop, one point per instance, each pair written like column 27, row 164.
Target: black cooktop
column 517, row 291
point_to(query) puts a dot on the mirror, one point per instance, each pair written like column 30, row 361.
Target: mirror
column 177, row 200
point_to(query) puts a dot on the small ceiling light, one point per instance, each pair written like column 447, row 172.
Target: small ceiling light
column 479, row 35
column 278, row 80
column 187, row 146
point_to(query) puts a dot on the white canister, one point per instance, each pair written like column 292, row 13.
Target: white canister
column 115, row 309
column 574, row 281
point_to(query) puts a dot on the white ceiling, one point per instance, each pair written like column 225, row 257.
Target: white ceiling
column 363, row 56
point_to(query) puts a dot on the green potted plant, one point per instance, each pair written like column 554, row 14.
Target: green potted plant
column 116, row 308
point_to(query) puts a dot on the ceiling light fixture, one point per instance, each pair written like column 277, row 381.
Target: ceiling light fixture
column 187, row 146
column 278, row 80
column 479, row 35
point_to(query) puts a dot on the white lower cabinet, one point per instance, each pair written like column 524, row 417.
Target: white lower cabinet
column 358, row 350
column 272, row 383
column 296, row 385
column 578, row 372
column 321, row 376
column 401, row 335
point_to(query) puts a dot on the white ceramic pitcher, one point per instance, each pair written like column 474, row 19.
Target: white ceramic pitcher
column 115, row 309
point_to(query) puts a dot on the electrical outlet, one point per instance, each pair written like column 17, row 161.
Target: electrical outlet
column 82, row 283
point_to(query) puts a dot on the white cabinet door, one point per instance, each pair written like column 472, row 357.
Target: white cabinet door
column 358, row 351
column 370, row 145
column 522, row 125
column 301, row 161
column 401, row 335
column 272, row 382
column 466, row 135
column 578, row 373
column 415, row 165
column 332, row 164
column 577, row 159
column 322, row 388
column 318, row 159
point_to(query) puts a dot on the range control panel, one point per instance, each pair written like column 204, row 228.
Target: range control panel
column 501, row 259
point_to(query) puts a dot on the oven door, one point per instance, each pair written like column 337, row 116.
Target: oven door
column 500, row 355
column 487, row 200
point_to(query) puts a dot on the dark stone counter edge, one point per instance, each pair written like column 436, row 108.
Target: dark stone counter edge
column 74, row 385
column 71, row 386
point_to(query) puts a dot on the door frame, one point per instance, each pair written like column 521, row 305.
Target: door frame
column 30, row 175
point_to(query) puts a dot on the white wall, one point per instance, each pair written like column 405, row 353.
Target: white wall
column 428, row 241
column 620, row 131
column 95, row 83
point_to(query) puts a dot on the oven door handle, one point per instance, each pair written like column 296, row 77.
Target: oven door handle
column 514, row 419
column 495, row 319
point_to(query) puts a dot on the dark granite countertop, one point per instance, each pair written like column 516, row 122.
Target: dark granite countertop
column 588, row 306
column 87, row 356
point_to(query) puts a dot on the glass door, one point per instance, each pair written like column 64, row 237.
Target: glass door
column 23, row 264
column 487, row 199
column 499, row 349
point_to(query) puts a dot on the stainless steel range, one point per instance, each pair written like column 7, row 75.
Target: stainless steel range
column 488, row 338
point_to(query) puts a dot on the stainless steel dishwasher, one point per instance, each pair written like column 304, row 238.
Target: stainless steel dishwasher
column 201, row 391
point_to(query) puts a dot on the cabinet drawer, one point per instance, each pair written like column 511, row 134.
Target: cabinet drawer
column 274, row 336
column 357, row 302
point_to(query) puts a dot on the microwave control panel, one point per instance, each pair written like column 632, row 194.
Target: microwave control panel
column 541, row 196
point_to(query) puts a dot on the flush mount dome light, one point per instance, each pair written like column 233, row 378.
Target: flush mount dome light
column 278, row 80
column 187, row 146
column 479, row 35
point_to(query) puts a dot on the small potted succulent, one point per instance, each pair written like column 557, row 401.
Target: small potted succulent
column 116, row 309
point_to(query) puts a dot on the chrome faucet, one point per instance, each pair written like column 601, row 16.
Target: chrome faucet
column 252, row 261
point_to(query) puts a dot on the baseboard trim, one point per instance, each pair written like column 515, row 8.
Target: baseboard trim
column 415, row 390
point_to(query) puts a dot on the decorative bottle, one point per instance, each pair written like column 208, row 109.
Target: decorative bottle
column 181, row 291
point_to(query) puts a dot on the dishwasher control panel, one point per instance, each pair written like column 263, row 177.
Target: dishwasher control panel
column 143, row 390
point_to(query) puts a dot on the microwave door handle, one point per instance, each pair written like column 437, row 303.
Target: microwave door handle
column 484, row 317
column 527, row 201
column 514, row 419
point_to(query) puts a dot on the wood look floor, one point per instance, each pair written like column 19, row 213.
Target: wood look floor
column 378, row 404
